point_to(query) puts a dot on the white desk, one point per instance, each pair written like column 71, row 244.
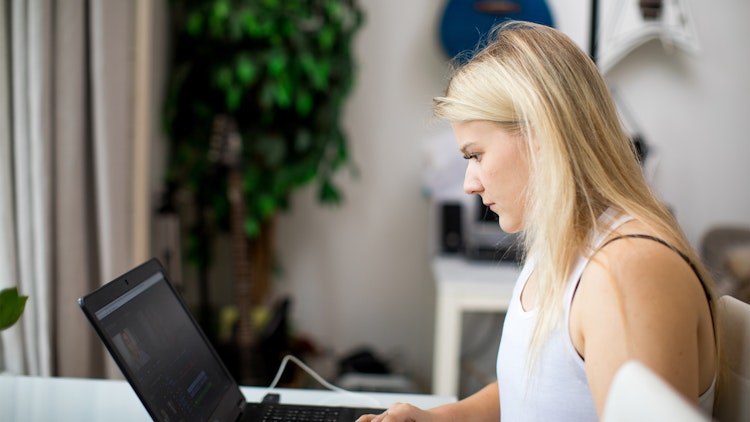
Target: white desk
column 464, row 286
column 31, row 399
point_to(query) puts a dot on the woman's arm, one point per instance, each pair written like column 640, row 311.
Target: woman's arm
column 640, row 300
column 481, row 406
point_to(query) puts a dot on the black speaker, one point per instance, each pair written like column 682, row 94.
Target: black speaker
column 451, row 236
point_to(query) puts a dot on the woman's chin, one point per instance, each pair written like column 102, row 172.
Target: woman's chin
column 509, row 226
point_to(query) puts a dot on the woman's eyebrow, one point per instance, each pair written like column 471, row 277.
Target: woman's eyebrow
column 466, row 147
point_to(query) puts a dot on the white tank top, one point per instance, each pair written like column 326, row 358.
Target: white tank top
column 557, row 388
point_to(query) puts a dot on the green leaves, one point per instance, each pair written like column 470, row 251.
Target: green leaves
column 194, row 24
column 246, row 70
column 217, row 18
column 317, row 70
column 328, row 193
column 11, row 306
column 280, row 69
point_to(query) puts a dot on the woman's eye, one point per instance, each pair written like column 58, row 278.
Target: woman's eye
column 471, row 156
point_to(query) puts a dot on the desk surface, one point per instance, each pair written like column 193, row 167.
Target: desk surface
column 32, row 399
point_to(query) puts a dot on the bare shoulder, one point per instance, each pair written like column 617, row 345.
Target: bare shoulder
column 640, row 273
column 639, row 299
column 637, row 288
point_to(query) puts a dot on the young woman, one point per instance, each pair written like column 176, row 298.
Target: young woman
column 608, row 275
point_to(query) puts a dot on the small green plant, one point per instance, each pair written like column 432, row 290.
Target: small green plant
column 11, row 307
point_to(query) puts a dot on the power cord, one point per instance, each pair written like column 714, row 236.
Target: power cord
column 317, row 378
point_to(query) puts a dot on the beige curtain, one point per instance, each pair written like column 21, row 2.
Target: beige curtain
column 7, row 218
column 68, row 219
column 27, row 346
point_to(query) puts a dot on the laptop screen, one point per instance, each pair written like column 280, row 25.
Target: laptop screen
column 159, row 347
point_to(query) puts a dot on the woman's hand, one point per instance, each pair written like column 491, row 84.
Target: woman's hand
column 400, row 412
column 483, row 406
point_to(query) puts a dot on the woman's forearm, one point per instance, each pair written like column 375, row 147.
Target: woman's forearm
column 481, row 406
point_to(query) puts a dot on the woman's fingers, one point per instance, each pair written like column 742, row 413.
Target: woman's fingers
column 399, row 412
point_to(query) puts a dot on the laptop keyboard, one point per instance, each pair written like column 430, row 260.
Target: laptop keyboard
column 301, row 413
column 274, row 412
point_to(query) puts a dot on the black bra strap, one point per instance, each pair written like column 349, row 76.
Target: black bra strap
column 679, row 252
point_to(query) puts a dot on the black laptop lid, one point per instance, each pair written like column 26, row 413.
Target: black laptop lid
column 160, row 348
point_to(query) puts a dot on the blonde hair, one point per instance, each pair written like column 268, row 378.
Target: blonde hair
column 533, row 80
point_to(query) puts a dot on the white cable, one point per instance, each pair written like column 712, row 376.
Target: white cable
column 317, row 378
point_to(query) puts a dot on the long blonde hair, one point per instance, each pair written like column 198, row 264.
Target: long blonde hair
column 533, row 80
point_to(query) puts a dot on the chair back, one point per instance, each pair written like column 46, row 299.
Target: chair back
column 733, row 390
column 638, row 394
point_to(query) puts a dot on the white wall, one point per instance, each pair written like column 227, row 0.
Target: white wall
column 360, row 273
column 694, row 110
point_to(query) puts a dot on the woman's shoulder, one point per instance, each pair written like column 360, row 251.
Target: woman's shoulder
column 638, row 298
column 633, row 254
column 638, row 267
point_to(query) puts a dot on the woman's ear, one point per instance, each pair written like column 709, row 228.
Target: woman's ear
column 533, row 145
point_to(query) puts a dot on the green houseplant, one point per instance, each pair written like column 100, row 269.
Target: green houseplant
column 11, row 307
column 253, row 108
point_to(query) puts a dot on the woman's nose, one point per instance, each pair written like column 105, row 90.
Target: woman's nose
column 472, row 185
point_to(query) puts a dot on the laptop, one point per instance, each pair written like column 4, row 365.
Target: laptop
column 168, row 361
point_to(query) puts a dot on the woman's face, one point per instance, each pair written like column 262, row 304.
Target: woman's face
column 497, row 170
